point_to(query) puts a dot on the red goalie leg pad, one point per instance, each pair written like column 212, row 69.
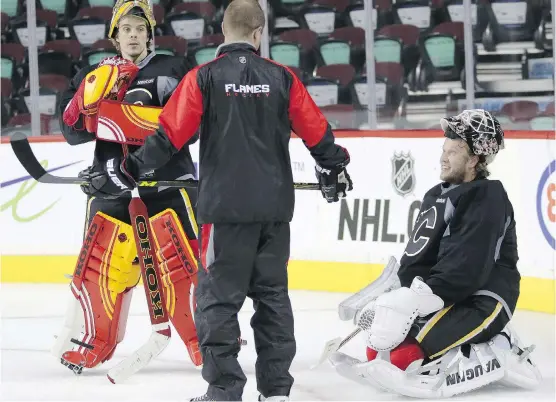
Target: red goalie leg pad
column 102, row 282
column 178, row 266
column 402, row 355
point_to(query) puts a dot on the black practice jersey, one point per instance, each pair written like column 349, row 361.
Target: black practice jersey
column 158, row 77
column 464, row 241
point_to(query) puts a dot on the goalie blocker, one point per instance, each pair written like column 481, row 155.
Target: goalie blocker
column 106, row 273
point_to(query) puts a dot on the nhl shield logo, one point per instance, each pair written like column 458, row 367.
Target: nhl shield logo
column 403, row 175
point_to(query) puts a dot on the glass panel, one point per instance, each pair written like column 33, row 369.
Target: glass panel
column 512, row 65
column 441, row 50
column 285, row 54
column 335, row 53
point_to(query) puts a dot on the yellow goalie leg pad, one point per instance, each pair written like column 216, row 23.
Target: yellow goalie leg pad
column 101, row 290
column 178, row 266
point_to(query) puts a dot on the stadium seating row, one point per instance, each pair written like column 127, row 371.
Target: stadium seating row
column 418, row 51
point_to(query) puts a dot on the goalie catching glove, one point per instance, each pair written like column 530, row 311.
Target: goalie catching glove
column 110, row 80
column 111, row 181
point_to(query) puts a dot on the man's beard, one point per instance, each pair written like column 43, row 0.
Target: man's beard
column 453, row 176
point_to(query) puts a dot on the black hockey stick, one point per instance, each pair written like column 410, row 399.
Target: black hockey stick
column 24, row 153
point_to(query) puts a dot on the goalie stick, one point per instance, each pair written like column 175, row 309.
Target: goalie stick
column 152, row 282
column 25, row 155
column 334, row 345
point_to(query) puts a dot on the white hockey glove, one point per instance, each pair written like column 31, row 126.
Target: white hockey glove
column 395, row 312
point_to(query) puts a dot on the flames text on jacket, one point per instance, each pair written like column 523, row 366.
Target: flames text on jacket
column 247, row 90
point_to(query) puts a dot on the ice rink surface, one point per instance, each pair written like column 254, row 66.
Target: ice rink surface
column 33, row 314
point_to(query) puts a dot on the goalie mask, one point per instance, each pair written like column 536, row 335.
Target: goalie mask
column 138, row 8
column 479, row 129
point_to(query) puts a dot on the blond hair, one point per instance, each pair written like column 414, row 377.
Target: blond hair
column 242, row 17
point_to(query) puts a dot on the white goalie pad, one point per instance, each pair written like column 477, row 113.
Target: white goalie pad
column 452, row 374
column 386, row 282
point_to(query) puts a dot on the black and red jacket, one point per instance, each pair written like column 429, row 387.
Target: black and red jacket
column 246, row 108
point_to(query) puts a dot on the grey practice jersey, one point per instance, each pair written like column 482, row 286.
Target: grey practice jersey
column 464, row 241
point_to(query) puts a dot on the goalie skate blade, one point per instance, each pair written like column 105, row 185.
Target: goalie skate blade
column 139, row 359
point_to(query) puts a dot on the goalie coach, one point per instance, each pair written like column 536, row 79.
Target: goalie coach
column 246, row 107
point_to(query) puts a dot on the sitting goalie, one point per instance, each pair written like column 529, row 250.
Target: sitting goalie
column 438, row 323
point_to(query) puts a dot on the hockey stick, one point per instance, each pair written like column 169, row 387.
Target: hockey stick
column 24, row 153
column 334, row 345
column 152, row 282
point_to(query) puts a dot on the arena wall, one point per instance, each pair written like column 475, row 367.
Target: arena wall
column 337, row 247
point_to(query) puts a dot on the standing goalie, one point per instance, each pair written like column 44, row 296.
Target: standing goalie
column 438, row 323
column 138, row 82
column 246, row 107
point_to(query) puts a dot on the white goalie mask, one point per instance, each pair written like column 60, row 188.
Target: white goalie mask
column 479, row 129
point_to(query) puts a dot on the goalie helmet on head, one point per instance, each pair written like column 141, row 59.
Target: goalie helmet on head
column 479, row 129
column 139, row 8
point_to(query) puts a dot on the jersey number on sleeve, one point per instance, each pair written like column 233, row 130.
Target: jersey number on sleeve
column 417, row 242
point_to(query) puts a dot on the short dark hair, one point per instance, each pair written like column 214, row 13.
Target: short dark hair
column 243, row 17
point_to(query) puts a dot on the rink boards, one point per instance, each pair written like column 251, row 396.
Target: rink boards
column 335, row 247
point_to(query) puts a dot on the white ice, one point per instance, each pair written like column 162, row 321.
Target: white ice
column 32, row 315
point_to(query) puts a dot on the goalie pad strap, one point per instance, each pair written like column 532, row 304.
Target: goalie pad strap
column 178, row 266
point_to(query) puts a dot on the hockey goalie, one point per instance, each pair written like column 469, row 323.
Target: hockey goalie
column 116, row 103
column 437, row 323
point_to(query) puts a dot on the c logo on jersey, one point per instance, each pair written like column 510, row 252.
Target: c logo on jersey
column 139, row 96
column 546, row 203
column 417, row 242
